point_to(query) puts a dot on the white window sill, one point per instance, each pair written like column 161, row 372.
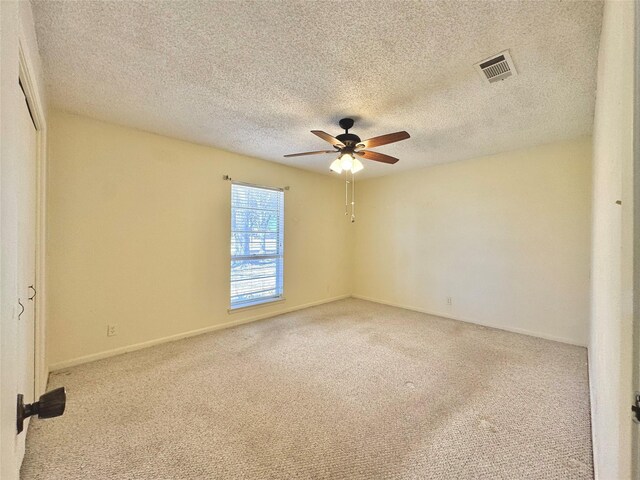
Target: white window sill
column 251, row 306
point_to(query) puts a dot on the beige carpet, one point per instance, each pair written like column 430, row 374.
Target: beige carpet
column 348, row 390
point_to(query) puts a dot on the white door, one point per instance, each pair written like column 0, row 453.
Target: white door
column 636, row 246
column 26, row 161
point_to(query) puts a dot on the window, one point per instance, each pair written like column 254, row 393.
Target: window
column 257, row 234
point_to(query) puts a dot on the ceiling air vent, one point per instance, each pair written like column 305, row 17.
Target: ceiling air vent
column 496, row 68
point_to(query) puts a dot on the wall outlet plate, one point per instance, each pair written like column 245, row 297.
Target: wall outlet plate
column 112, row 330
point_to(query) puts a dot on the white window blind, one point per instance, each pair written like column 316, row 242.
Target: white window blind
column 257, row 241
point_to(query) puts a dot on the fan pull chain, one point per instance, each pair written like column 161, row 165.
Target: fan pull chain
column 346, row 196
column 353, row 198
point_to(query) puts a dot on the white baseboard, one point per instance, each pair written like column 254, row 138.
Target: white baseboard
column 138, row 346
column 475, row 322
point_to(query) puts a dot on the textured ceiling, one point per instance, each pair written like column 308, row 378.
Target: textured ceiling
column 255, row 77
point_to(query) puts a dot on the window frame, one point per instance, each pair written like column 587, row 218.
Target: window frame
column 278, row 257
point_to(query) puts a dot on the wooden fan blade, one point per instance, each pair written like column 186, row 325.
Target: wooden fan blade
column 376, row 157
column 383, row 139
column 310, row 153
column 328, row 138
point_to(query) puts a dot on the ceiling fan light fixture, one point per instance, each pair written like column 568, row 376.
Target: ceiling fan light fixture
column 336, row 166
column 346, row 162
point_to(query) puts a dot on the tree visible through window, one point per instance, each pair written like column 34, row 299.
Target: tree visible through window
column 257, row 234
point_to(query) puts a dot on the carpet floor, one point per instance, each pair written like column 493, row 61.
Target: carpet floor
column 346, row 390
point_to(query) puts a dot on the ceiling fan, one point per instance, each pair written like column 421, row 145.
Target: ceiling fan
column 350, row 146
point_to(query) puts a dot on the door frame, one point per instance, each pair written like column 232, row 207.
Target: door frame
column 36, row 104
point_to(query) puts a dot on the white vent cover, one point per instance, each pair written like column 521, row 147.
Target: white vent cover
column 496, row 68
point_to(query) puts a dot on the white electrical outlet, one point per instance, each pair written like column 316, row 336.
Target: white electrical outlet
column 449, row 301
column 112, row 330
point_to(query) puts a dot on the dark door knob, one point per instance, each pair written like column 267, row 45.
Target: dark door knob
column 50, row 404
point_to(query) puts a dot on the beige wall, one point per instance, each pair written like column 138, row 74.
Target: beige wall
column 138, row 235
column 507, row 237
column 610, row 351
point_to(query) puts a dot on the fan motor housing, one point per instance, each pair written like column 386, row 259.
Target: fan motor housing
column 349, row 139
